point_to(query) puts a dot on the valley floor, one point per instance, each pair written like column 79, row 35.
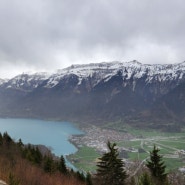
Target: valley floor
column 134, row 145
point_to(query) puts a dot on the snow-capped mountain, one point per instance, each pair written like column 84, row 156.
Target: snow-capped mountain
column 100, row 72
column 107, row 91
column 2, row 81
column 25, row 82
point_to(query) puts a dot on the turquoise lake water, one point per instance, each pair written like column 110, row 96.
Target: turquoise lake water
column 49, row 133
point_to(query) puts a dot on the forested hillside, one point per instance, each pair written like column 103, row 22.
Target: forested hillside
column 26, row 165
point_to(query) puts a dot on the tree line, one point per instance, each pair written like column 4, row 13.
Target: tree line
column 25, row 165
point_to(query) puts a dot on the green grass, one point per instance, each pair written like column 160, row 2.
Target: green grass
column 85, row 158
column 147, row 132
column 175, row 144
column 133, row 156
column 127, row 144
column 151, row 132
column 86, row 152
column 143, row 156
column 168, row 144
column 172, row 164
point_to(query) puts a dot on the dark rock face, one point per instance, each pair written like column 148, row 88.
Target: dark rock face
column 142, row 95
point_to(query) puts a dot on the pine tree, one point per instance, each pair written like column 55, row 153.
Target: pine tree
column 48, row 164
column 7, row 140
column 156, row 166
column 1, row 139
column 145, row 179
column 20, row 143
column 80, row 176
column 88, row 179
column 62, row 165
column 111, row 168
column 37, row 156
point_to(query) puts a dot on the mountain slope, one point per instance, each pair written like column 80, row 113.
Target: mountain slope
column 135, row 93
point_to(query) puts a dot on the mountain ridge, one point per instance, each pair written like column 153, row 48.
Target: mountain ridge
column 106, row 69
column 100, row 92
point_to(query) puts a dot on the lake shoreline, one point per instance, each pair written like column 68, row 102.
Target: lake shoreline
column 53, row 135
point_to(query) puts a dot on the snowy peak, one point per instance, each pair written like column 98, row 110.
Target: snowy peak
column 99, row 72
column 25, row 82
column 133, row 69
column 2, row 81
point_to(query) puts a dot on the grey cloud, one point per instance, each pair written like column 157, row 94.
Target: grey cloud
column 55, row 33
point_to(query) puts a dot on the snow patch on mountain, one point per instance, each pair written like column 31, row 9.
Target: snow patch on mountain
column 2, row 81
column 101, row 72
column 26, row 81
column 134, row 69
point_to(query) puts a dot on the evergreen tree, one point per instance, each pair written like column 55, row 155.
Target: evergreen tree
column 62, row 165
column 1, row 139
column 88, row 179
column 145, row 179
column 7, row 140
column 20, row 143
column 156, row 166
column 48, row 164
column 32, row 154
column 111, row 168
column 80, row 176
column 37, row 156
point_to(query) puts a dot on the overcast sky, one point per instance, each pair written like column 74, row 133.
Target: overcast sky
column 43, row 35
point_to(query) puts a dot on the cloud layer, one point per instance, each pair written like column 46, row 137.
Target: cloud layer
column 49, row 34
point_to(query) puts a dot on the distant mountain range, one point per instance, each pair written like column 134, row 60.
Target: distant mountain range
column 134, row 93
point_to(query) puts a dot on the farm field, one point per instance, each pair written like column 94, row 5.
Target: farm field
column 85, row 159
column 171, row 145
column 172, row 151
column 137, row 148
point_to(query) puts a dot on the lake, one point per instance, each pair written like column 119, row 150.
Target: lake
column 49, row 133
